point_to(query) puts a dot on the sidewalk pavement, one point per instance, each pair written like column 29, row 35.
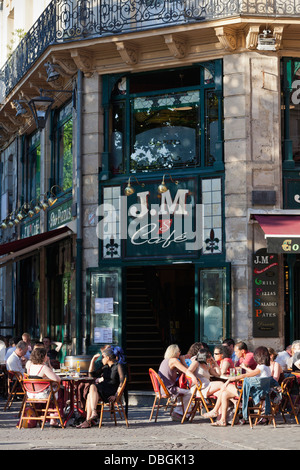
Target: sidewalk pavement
column 165, row 436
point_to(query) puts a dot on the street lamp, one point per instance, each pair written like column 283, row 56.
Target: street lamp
column 40, row 106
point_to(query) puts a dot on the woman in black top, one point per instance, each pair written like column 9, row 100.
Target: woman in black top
column 106, row 387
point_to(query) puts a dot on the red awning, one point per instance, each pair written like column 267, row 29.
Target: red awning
column 27, row 245
column 279, row 225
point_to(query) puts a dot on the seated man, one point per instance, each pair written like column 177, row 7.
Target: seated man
column 12, row 343
column 15, row 362
column 294, row 349
column 52, row 352
column 245, row 358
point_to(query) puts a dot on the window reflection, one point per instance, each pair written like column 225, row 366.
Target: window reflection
column 165, row 131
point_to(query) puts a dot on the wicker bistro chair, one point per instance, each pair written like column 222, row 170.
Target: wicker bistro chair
column 15, row 389
column 44, row 408
column 114, row 406
column 161, row 392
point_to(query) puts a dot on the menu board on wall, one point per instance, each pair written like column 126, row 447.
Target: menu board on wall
column 265, row 294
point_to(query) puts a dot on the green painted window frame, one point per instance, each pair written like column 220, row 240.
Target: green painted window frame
column 202, row 297
column 61, row 118
column 123, row 102
column 32, row 168
column 93, row 346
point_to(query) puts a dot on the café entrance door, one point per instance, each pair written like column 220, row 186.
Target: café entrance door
column 160, row 310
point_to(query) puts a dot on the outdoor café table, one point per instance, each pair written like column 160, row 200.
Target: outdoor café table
column 71, row 384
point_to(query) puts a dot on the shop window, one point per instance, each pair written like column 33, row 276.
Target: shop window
column 33, row 168
column 166, row 120
column 165, row 131
column 63, row 160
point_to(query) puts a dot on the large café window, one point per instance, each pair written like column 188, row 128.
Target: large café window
column 166, row 120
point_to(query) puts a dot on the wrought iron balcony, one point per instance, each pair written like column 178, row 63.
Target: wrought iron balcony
column 74, row 20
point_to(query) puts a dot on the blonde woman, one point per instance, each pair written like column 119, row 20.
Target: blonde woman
column 169, row 370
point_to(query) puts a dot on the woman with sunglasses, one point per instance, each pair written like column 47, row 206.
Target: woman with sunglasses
column 223, row 360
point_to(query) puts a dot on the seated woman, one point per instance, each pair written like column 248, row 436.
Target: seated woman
column 187, row 358
column 106, row 387
column 276, row 369
column 169, row 370
column 223, row 359
column 229, row 390
column 203, row 370
column 37, row 368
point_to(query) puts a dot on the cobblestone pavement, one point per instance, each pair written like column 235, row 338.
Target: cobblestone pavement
column 165, row 435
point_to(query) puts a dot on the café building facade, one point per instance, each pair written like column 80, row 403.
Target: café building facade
column 171, row 150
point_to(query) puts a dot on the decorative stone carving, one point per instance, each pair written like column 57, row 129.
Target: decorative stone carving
column 84, row 62
column 278, row 34
column 8, row 128
column 67, row 64
column 128, row 52
column 16, row 120
column 176, row 45
column 227, row 37
column 252, row 37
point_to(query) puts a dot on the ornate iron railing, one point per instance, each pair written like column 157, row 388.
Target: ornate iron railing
column 73, row 20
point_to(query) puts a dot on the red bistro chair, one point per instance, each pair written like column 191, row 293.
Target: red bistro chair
column 161, row 392
column 44, row 407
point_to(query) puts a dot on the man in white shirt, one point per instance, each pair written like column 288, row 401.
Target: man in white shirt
column 294, row 349
column 14, row 362
column 283, row 357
